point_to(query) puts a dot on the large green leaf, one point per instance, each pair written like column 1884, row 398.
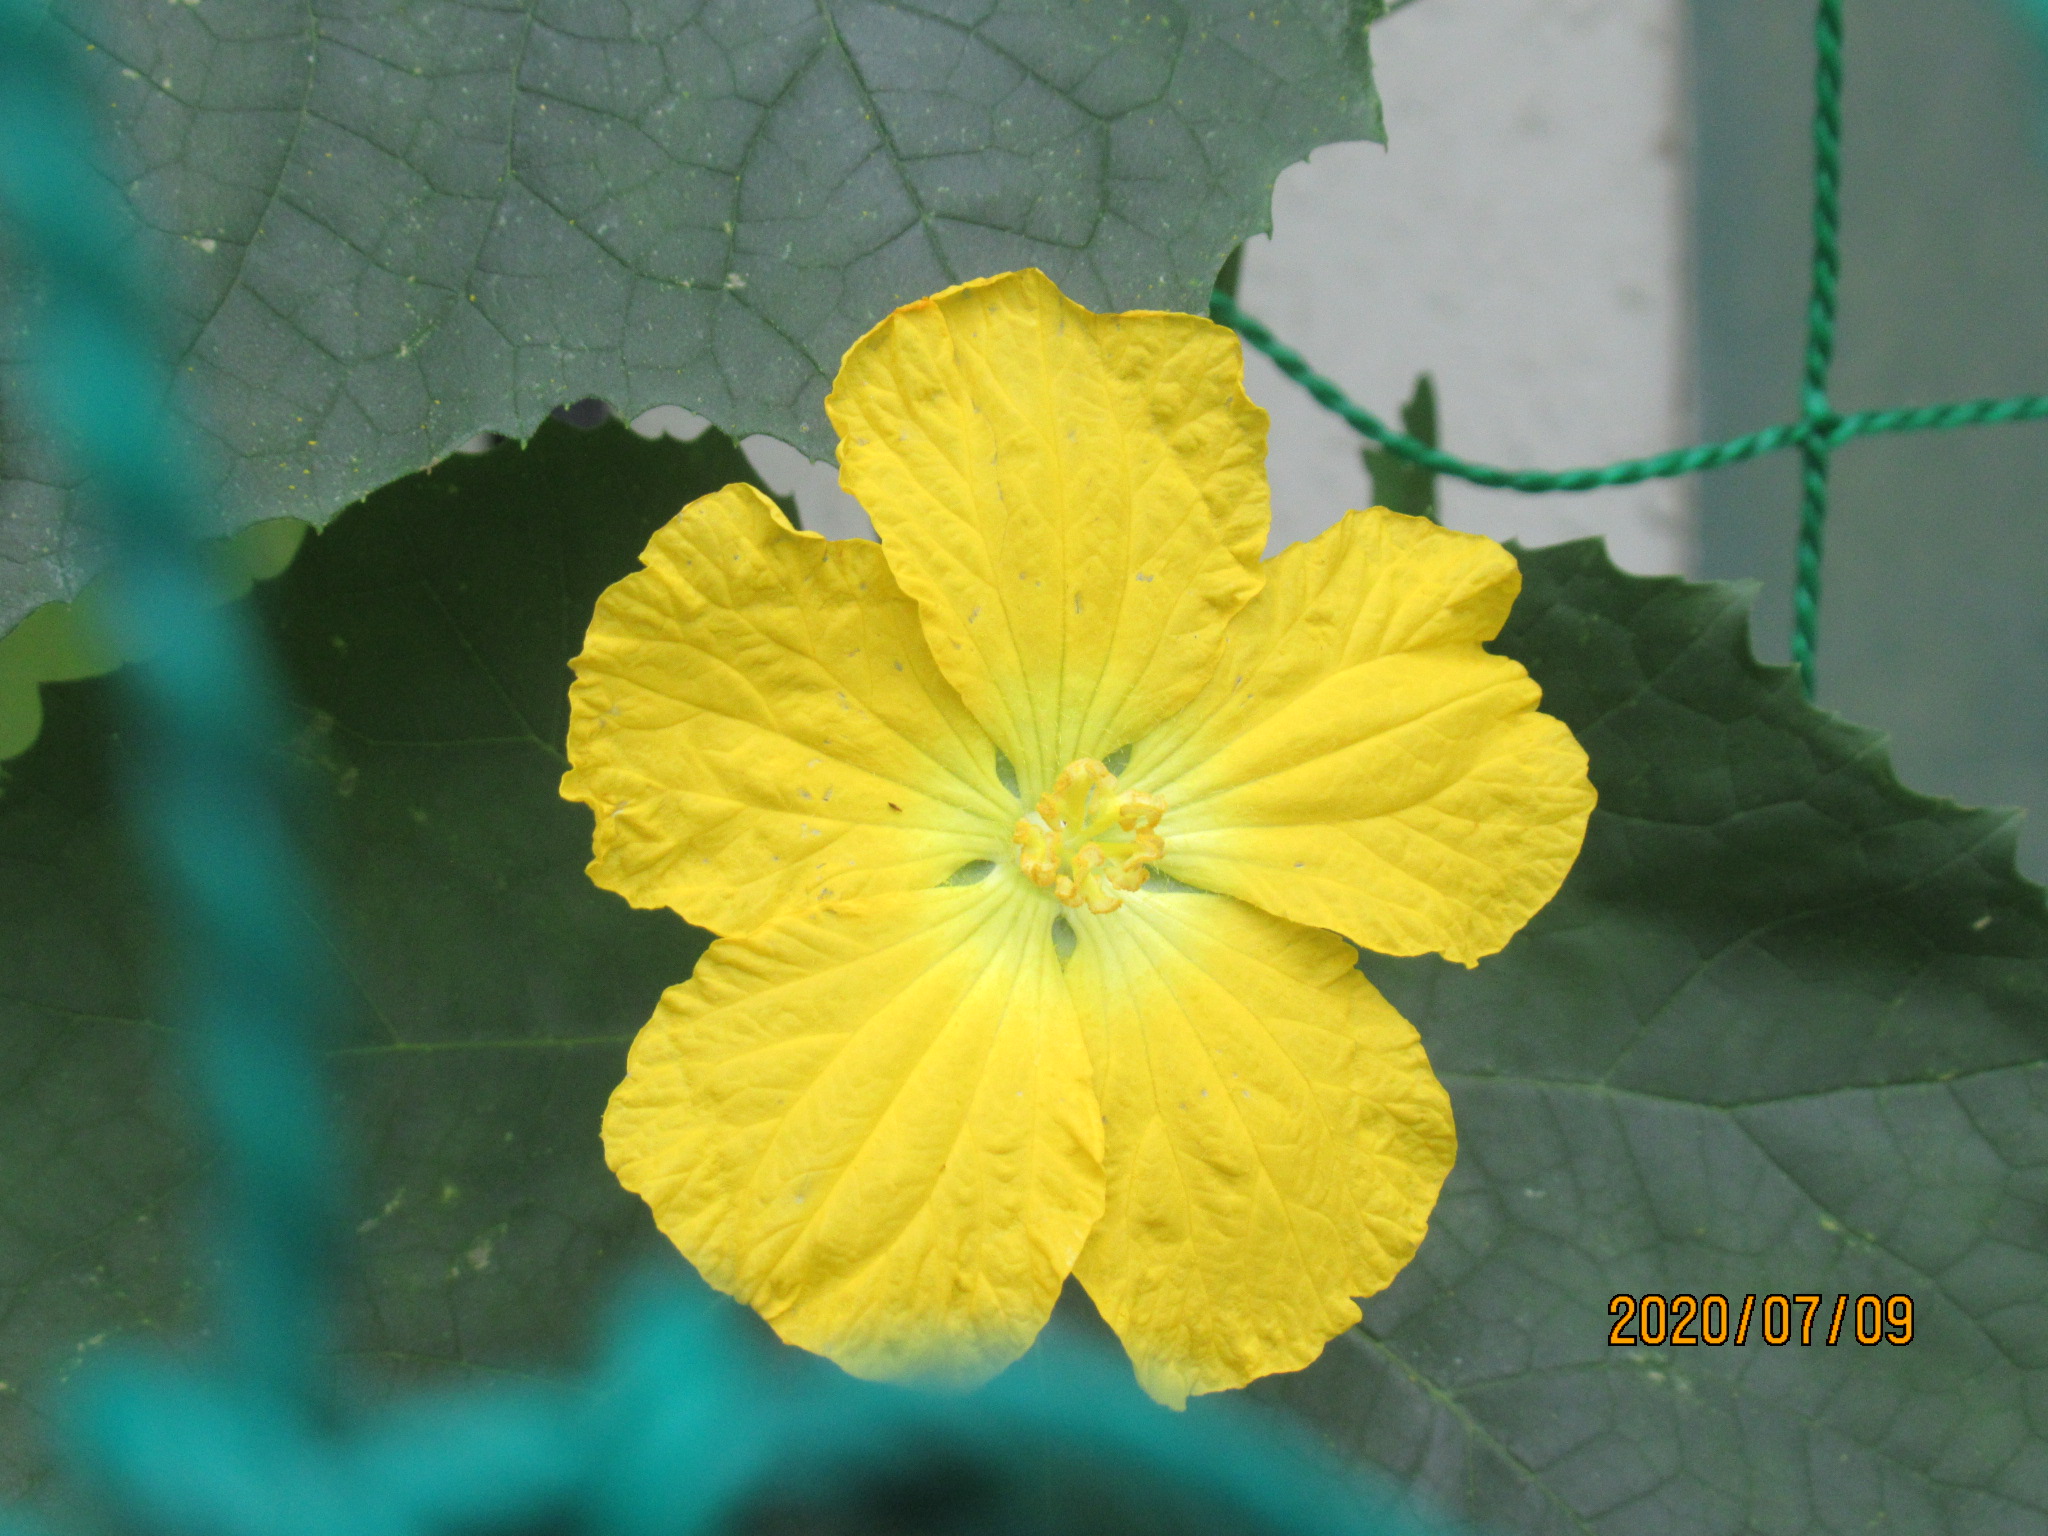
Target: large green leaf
column 388, row 226
column 1783, row 1031
column 492, row 987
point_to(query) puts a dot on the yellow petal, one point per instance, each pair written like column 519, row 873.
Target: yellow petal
column 1276, row 1138
column 875, row 1125
column 1076, row 501
column 1359, row 762
column 758, row 726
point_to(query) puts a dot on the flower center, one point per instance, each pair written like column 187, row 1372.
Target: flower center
column 1085, row 842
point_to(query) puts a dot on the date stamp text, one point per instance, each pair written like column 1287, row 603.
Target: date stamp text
column 1775, row 1319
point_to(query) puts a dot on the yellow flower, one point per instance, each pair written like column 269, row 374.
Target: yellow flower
column 1029, row 833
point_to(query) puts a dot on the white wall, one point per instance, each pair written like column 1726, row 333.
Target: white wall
column 1522, row 238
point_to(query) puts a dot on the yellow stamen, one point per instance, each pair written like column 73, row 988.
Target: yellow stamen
column 1085, row 842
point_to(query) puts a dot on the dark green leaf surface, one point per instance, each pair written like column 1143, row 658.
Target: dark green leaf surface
column 389, row 226
column 492, row 987
column 1783, row 1031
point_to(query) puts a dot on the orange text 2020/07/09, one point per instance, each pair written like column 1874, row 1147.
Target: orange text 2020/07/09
column 1805, row 1319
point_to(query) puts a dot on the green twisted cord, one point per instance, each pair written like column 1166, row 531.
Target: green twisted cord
column 1936, row 418
column 1679, row 461
column 1820, row 335
column 1830, row 430
column 1816, row 434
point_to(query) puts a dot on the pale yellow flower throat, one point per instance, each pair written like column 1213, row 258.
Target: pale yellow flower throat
column 1085, row 842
